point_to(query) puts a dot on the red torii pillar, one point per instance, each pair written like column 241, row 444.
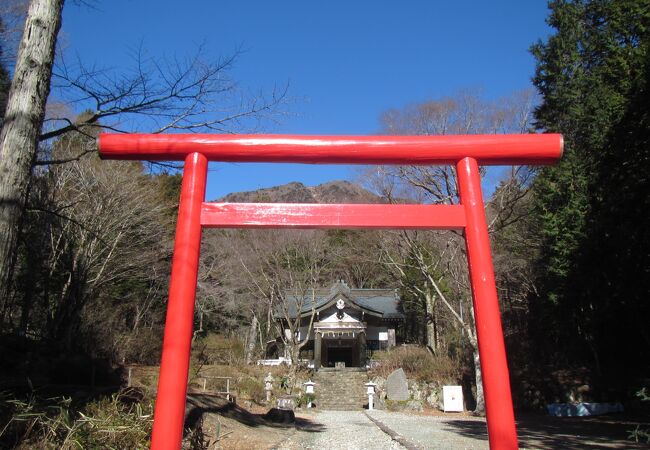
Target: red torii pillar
column 465, row 152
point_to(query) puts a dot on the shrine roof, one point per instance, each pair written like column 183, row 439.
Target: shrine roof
column 383, row 303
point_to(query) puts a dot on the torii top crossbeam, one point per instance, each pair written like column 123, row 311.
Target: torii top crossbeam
column 466, row 153
column 492, row 149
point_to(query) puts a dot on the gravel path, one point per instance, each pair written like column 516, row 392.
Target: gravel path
column 347, row 430
column 343, row 430
column 431, row 432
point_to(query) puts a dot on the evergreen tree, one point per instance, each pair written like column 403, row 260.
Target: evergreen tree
column 588, row 73
column 613, row 262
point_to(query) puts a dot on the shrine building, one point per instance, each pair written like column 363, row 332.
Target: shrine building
column 349, row 324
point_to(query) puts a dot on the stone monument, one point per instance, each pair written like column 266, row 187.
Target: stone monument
column 397, row 386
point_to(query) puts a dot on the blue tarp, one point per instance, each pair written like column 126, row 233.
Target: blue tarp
column 582, row 409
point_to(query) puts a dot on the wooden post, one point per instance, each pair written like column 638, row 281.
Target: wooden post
column 317, row 349
column 362, row 349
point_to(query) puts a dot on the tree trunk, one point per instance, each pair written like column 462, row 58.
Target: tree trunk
column 472, row 337
column 252, row 338
column 480, row 398
column 23, row 122
column 432, row 339
column 318, row 345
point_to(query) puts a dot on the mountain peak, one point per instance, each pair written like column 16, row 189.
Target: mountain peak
column 339, row 191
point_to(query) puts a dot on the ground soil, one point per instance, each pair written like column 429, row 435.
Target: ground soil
column 539, row 430
column 237, row 427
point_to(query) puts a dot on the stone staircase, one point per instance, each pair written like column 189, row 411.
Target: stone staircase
column 341, row 389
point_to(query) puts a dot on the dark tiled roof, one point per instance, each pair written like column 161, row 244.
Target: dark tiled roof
column 386, row 304
column 383, row 302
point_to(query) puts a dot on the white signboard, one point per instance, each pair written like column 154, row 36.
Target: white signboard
column 383, row 335
column 452, row 398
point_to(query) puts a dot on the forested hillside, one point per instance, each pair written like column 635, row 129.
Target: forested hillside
column 332, row 192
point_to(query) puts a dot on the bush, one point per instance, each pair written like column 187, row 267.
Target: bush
column 641, row 434
column 253, row 388
column 304, row 399
column 218, row 349
column 123, row 420
column 143, row 347
column 418, row 363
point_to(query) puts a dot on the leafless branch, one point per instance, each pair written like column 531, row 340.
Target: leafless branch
column 189, row 95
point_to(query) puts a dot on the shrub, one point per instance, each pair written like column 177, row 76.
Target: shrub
column 218, row 349
column 143, row 347
column 641, row 434
column 304, row 399
column 418, row 363
column 253, row 388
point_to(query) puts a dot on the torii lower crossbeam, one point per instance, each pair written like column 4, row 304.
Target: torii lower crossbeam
column 464, row 152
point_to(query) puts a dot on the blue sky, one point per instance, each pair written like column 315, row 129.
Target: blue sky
column 345, row 62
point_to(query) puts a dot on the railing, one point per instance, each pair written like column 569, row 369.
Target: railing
column 227, row 392
column 274, row 362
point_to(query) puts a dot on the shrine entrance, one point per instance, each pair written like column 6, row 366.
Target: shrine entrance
column 466, row 153
column 340, row 349
column 339, row 356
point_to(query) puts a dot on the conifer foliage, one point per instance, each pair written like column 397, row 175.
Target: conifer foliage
column 592, row 75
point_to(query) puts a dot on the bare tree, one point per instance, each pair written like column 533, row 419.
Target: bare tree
column 108, row 225
column 515, row 244
column 158, row 95
column 289, row 272
column 466, row 113
column 438, row 258
column 218, row 299
column 353, row 256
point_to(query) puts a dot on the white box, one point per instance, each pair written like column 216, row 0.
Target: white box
column 452, row 398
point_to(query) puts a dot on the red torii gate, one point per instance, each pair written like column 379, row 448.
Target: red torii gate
column 464, row 152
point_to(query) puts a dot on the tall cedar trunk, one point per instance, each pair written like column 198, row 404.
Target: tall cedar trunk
column 252, row 338
column 23, row 122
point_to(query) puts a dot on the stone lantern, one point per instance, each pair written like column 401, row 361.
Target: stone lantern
column 309, row 390
column 268, row 386
column 371, row 393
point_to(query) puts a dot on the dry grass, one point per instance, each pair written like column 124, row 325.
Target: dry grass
column 216, row 356
column 418, row 363
column 123, row 420
column 215, row 348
